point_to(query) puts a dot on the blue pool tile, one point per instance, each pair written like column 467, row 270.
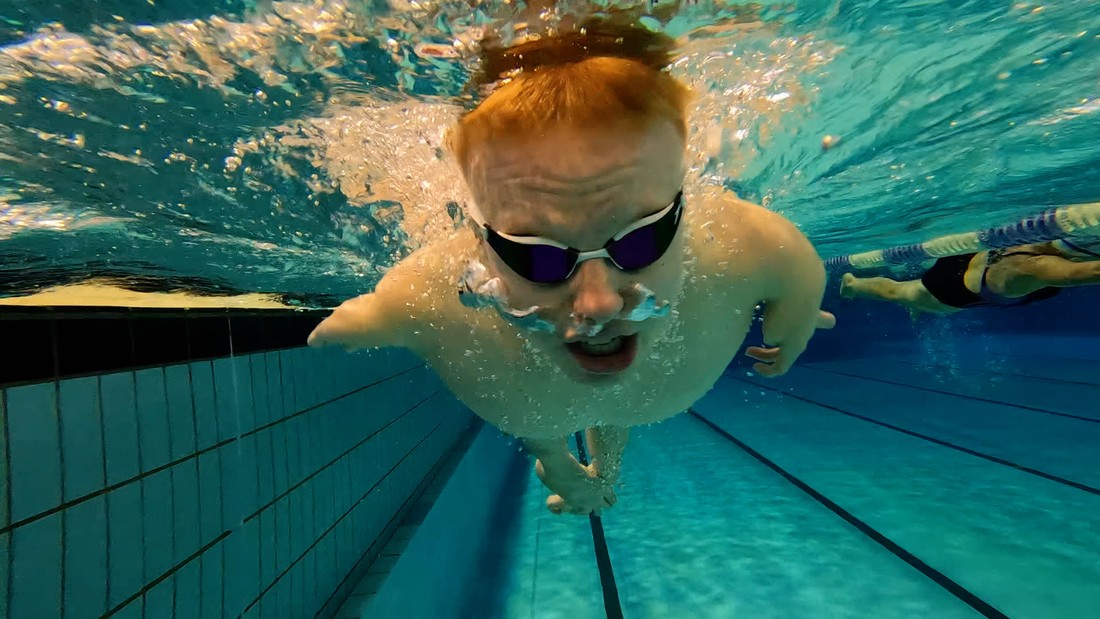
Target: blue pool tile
column 152, row 418
column 232, row 475
column 120, row 421
column 181, row 412
column 287, row 433
column 268, row 547
column 86, row 558
column 185, row 504
column 342, row 485
column 157, row 516
column 159, row 600
column 277, row 404
column 34, row 449
column 133, row 610
column 238, row 561
column 265, row 472
column 301, row 376
column 188, row 590
column 5, row 490
column 126, row 533
column 279, row 456
column 345, row 554
column 309, row 584
column 226, row 390
column 246, row 414
column 5, row 560
column 213, row 576
column 206, row 406
column 287, row 359
column 249, row 477
column 36, row 569
column 260, row 398
column 294, row 580
column 210, row 484
column 282, row 534
column 81, row 436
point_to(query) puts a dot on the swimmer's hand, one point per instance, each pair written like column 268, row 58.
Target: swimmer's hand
column 579, row 489
column 773, row 361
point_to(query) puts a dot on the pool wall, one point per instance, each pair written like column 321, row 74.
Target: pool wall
column 201, row 464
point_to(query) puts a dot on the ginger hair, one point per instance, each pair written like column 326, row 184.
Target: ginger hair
column 596, row 76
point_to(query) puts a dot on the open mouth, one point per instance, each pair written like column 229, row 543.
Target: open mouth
column 608, row 357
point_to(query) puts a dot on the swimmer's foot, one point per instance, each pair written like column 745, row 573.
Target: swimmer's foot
column 578, row 491
column 848, row 286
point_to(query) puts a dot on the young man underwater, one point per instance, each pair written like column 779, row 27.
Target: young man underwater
column 592, row 290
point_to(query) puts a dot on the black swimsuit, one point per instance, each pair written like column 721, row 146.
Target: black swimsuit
column 945, row 280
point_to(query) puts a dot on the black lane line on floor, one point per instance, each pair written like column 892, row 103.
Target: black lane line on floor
column 932, row 439
column 611, row 603
column 962, row 593
column 1025, row 407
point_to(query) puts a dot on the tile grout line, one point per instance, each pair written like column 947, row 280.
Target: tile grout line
column 106, row 506
column 332, row 462
column 219, row 445
column 63, row 516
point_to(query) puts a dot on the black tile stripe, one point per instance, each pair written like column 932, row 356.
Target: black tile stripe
column 960, row 592
column 194, row 456
column 333, row 526
column 67, row 342
column 937, row 441
column 1023, row 407
column 611, row 603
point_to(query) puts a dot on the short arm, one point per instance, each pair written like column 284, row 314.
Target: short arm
column 796, row 285
column 555, row 455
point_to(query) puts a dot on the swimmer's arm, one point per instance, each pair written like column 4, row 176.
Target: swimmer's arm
column 383, row 318
column 794, row 285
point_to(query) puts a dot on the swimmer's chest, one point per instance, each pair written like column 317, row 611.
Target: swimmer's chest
column 526, row 395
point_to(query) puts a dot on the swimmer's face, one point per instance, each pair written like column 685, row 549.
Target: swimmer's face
column 581, row 188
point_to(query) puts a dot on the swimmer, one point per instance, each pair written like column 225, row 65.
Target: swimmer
column 993, row 278
column 591, row 289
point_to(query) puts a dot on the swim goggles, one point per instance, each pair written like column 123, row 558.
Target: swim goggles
column 545, row 261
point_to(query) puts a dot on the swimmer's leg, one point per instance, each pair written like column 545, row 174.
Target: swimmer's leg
column 1016, row 276
column 912, row 294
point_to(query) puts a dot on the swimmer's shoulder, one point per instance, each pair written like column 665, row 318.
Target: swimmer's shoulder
column 424, row 283
column 725, row 225
column 746, row 240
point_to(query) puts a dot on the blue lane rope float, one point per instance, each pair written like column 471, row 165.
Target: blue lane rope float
column 1050, row 225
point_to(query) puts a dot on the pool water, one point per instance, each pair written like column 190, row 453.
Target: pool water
column 279, row 154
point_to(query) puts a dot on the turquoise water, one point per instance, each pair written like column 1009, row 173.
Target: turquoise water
column 293, row 148
column 936, row 468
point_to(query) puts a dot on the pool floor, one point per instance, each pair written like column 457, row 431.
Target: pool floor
column 882, row 487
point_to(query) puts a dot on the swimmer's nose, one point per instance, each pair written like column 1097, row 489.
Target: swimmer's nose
column 595, row 296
